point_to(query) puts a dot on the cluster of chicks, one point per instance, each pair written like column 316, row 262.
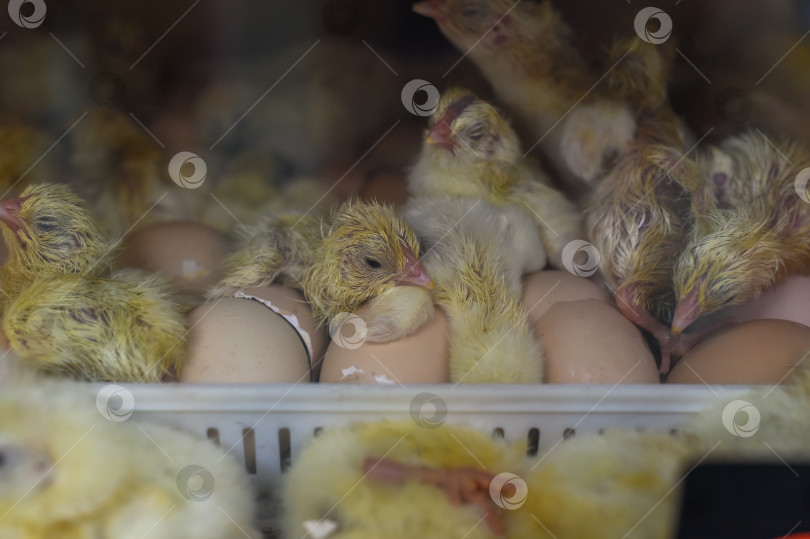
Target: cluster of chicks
column 674, row 231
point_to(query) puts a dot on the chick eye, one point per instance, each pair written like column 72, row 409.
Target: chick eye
column 475, row 136
column 469, row 13
column 46, row 226
column 373, row 264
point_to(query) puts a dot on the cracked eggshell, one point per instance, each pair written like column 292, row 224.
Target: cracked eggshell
column 238, row 340
column 590, row 342
column 543, row 289
column 755, row 352
column 191, row 253
column 422, row 357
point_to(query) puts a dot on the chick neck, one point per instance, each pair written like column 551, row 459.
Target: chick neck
column 535, row 68
column 19, row 269
column 438, row 173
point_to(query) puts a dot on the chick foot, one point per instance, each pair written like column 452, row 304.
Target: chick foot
column 462, row 486
column 396, row 313
column 667, row 341
column 678, row 345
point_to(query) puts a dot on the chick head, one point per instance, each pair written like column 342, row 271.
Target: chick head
column 368, row 250
column 49, row 228
column 485, row 27
column 470, row 129
column 733, row 264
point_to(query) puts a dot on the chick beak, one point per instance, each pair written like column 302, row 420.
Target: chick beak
column 414, row 273
column 431, row 9
column 442, row 136
column 9, row 210
column 687, row 311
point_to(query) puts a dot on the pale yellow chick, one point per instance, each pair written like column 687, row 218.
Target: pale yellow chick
column 423, row 479
column 64, row 313
column 363, row 253
column 472, row 155
column 71, row 468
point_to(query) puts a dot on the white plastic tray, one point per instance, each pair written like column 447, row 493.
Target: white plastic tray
column 266, row 426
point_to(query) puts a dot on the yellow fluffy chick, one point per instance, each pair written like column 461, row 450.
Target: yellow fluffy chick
column 327, row 488
column 64, row 313
column 358, row 254
column 122, row 328
column 490, row 337
column 49, row 230
column 71, row 468
column 472, row 152
column 418, row 479
column 354, row 483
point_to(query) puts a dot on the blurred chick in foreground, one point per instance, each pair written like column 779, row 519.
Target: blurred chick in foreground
column 472, row 155
column 524, row 50
column 66, row 471
column 64, row 313
column 359, row 254
column 636, row 216
column 403, row 480
column 751, row 229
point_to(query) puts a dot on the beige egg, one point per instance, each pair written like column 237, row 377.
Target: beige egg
column 242, row 340
column 543, row 289
column 192, row 253
column 590, row 342
column 422, row 357
column 787, row 300
column 755, row 352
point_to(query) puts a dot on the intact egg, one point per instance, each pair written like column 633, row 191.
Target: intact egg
column 754, row 352
column 543, row 289
column 191, row 253
column 240, row 339
column 590, row 342
column 421, row 357
column 787, row 300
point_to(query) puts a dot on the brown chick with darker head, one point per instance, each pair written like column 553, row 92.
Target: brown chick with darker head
column 636, row 216
column 751, row 225
column 525, row 51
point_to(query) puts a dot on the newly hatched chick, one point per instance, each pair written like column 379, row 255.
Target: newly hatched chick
column 752, row 226
column 63, row 312
column 354, row 483
column 123, row 328
column 66, row 471
column 490, row 337
column 405, row 480
column 472, row 153
column 328, row 487
column 524, row 50
column 636, row 216
column 358, row 254
column 49, row 230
